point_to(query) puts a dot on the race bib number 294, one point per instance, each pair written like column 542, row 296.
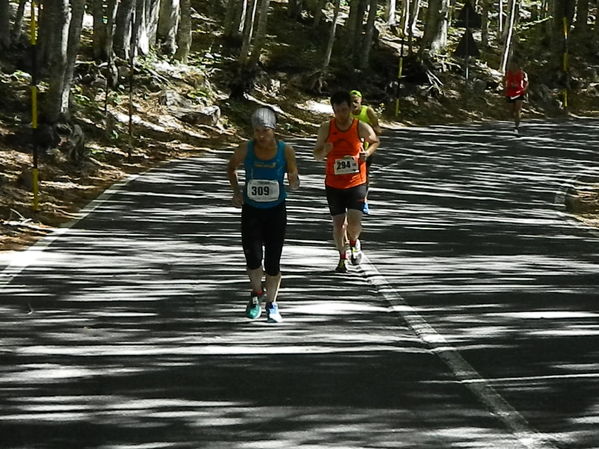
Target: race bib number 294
column 346, row 166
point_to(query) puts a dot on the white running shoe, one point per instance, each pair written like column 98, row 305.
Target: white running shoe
column 356, row 253
column 272, row 313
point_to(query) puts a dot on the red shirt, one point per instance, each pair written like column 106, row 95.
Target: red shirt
column 515, row 83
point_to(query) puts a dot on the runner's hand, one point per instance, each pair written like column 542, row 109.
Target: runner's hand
column 363, row 155
column 237, row 199
column 294, row 182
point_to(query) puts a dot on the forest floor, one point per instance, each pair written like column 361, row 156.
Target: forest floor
column 158, row 136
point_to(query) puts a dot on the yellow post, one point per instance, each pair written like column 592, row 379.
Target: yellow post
column 34, row 111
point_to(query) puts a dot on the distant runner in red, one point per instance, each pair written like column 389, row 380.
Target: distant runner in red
column 515, row 85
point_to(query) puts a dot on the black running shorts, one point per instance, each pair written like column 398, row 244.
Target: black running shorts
column 340, row 200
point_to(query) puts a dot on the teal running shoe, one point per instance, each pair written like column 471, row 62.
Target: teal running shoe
column 253, row 309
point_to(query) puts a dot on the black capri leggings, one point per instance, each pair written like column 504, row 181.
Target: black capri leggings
column 263, row 229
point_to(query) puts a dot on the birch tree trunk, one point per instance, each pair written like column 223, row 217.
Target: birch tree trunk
column 507, row 44
column 260, row 37
column 390, row 12
column 168, row 22
column 4, row 25
column 58, row 97
column 415, row 11
column 406, row 7
column 248, row 31
column 513, row 13
column 332, row 33
column 184, row 34
column 367, row 44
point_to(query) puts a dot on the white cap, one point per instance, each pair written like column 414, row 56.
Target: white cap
column 265, row 118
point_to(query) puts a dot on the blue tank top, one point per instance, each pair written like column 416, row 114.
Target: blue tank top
column 264, row 186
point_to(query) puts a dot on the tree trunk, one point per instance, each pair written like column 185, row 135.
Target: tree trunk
column 500, row 22
column 260, row 37
column 507, row 44
column 58, row 96
column 111, row 11
column 140, row 28
column 367, row 44
column 233, row 18
column 248, row 31
column 18, row 23
column 414, row 12
column 4, row 25
column 406, row 7
column 152, row 16
column 75, row 26
column 99, row 34
column 122, row 32
column 331, row 41
column 353, row 24
column 513, row 14
column 46, row 36
column 390, row 12
column 184, row 34
column 168, row 23
column 484, row 27
column 435, row 32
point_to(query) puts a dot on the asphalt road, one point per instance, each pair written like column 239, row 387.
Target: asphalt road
column 473, row 322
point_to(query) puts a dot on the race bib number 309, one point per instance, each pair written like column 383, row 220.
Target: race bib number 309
column 346, row 166
column 263, row 190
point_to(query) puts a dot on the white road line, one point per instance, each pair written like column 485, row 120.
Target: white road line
column 463, row 371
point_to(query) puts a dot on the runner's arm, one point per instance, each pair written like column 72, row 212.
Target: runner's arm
column 234, row 162
column 370, row 137
column 292, row 172
column 374, row 121
column 322, row 147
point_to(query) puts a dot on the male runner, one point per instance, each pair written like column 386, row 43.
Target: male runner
column 263, row 213
column 365, row 114
column 339, row 143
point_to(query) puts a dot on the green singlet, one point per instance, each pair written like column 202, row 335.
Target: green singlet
column 363, row 115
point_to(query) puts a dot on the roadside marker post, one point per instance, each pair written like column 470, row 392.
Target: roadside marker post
column 34, row 105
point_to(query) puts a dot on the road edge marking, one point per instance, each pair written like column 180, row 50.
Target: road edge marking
column 462, row 370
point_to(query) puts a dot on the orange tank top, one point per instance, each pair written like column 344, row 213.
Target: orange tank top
column 344, row 168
